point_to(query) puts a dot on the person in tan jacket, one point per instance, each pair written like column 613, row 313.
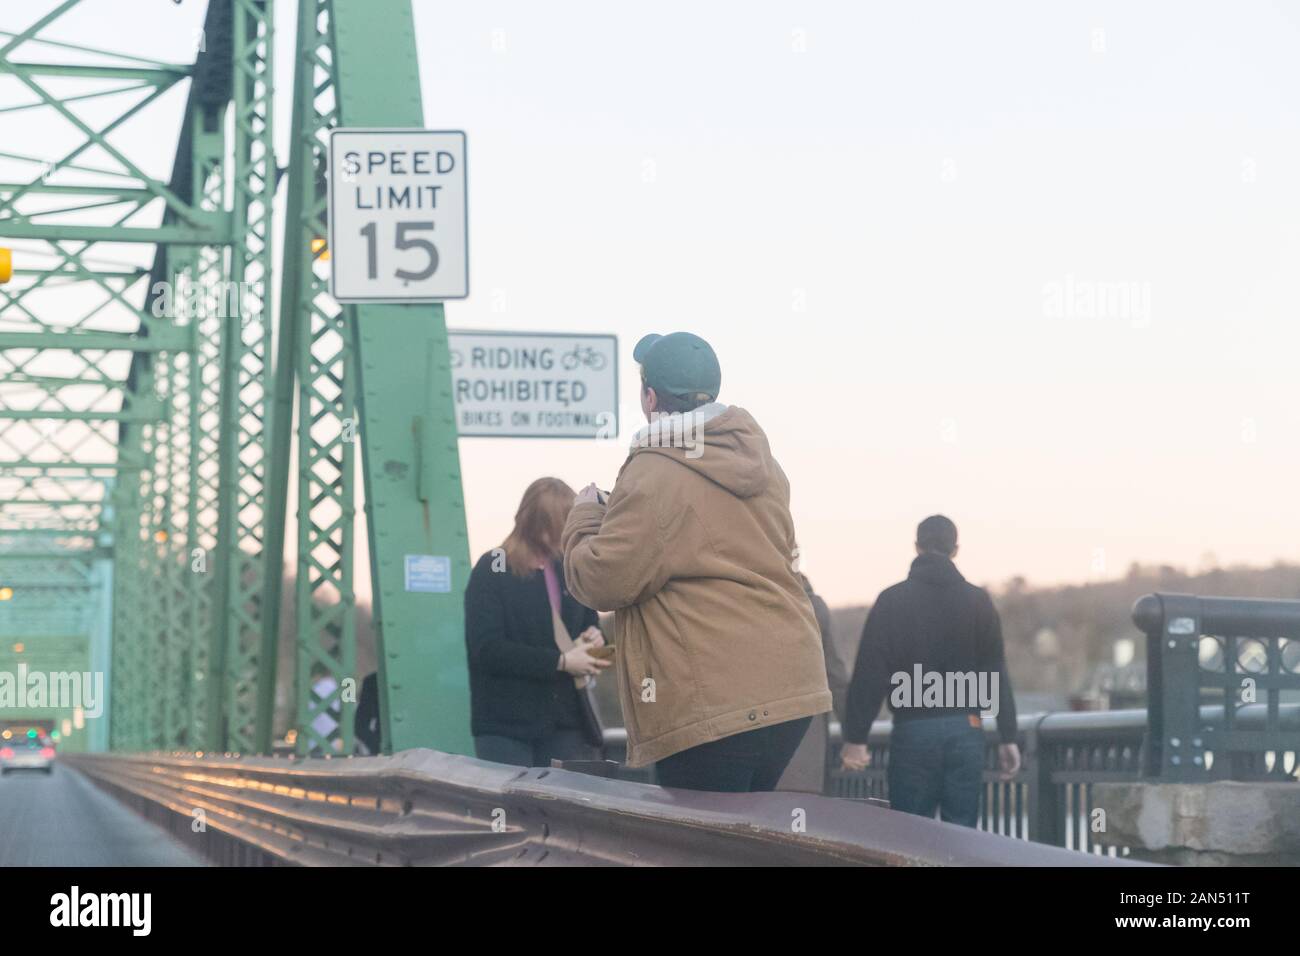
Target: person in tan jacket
column 719, row 659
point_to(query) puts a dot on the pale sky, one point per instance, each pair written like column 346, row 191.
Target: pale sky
column 916, row 180
column 892, row 222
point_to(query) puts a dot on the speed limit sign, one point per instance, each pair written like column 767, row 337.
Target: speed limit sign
column 398, row 222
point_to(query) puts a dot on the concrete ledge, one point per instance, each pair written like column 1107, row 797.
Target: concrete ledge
column 1224, row 823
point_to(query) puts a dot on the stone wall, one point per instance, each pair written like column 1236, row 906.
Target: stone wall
column 1224, row 823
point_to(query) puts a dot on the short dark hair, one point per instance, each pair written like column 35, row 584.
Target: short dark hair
column 937, row 534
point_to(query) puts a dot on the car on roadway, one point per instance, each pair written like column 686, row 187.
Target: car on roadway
column 27, row 753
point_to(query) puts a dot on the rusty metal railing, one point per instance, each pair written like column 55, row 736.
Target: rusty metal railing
column 422, row 807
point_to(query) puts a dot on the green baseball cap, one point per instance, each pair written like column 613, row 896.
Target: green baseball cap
column 679, row 364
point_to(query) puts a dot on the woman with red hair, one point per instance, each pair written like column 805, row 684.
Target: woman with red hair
column 530, row 643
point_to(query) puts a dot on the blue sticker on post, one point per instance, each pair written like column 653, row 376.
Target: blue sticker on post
column 428, row 573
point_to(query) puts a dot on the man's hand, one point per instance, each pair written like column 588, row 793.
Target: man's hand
column 1009, row 760
column 854, row 756
column 594, row 636
column 589, row 495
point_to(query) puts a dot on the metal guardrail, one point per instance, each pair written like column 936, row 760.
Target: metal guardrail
column 1238, row 654
column 422, row 807
column 1048, row 801
column 1063, row 755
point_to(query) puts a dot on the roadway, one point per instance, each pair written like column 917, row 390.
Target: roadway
column 65, row 820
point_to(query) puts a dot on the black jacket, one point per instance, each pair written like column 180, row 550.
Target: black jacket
column 936, row 620
column 514, row 687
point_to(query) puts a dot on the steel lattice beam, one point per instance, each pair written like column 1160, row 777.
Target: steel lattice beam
column 314, row 354
column 379, row 374
column 159, row 436
column 113, row 412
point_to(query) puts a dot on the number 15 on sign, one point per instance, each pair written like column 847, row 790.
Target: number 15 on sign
column 398, row 215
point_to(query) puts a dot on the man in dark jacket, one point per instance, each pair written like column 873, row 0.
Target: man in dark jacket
column 937, row 641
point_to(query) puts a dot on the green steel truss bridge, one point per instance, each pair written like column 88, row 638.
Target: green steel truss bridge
column 178, row 391
column 189, row 422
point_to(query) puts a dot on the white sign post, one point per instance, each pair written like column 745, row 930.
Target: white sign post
column 398, row 218
column 544, row 385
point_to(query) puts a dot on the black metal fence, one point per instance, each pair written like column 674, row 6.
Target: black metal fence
column 1050, row 799
column 1218, row 673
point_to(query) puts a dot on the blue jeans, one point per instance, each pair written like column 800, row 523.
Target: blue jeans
column 937, row 764
column 562, row 744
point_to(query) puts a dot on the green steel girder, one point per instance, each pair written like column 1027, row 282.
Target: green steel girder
column 217, row 234
column 69, row 531
column 312, row 358
column 239, row 642
column 144, row 410
column 164, row 75
column 380, row 372
column 165, row 340
column 112, row 192
column 415, row 504
column 127, row 396
column 152, row 449
column 81, row 554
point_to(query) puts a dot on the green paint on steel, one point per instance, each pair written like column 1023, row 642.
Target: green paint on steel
column 246, row 352
column 314, row 366
column 155, row 446
column 123, row 408
column 357, row 66
column 407, row 426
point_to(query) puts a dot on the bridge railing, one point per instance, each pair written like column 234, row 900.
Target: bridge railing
column 1064, row 754
column 1047, row 801
column 1050, row 799
column 422, row 807
column 1217, row 672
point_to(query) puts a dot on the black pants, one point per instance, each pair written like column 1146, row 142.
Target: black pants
column 561, row 744
column 748, row 762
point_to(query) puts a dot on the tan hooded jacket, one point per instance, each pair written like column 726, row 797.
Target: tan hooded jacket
column 694, row 553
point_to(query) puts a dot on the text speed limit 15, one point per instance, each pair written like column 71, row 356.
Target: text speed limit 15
column 398, row 218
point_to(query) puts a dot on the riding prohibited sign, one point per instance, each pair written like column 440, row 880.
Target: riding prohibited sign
column 535, row 385
column 398, row 219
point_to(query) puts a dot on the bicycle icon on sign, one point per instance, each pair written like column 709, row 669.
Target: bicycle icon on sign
column 583, row 355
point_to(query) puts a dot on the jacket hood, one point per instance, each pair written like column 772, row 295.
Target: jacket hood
column 935, row 569
column 721, row 442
